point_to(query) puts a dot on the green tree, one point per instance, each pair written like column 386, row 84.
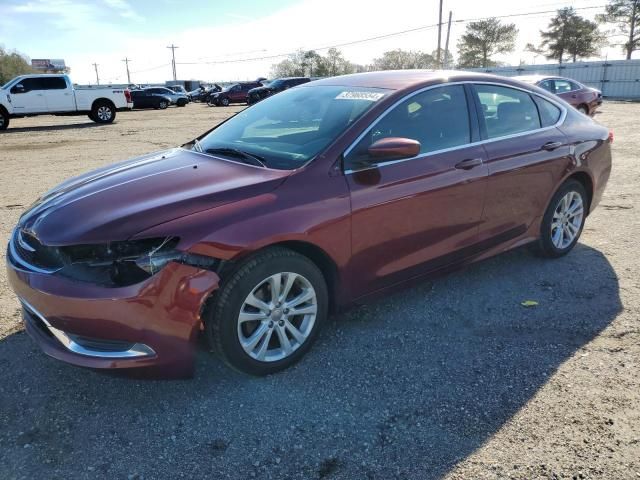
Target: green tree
column 403, row 59
column 12, row 64
column 626, row 14
column 570, row 35
column 484, row 39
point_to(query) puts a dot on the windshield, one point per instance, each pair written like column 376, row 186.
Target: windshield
column 276, row 83
column 287, row 130
column 229, row 87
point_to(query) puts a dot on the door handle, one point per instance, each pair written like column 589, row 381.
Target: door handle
column 469, row 163
column 549, row 146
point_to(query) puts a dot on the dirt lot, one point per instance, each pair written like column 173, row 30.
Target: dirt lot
column 452, row 379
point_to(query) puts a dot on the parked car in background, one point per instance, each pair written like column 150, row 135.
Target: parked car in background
column 235, row 93
column 147, row 99
column 321, row 196
column 278, row 85
column 31, row 95
column 585, row 99
column 179, row 99
column 178, row 89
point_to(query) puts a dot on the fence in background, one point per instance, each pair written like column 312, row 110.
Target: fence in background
column 618, row 79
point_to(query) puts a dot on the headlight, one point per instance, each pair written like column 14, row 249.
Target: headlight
column 126, row 262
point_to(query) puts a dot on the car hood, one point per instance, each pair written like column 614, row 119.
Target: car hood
column 116, row 202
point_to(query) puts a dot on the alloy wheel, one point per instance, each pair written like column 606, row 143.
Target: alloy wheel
column 567, row 220
column 277, row 317
column 104, row 113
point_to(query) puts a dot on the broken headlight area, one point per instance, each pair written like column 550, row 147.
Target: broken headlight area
column 123, row 263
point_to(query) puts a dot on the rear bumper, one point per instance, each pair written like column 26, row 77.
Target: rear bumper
column 150, row 325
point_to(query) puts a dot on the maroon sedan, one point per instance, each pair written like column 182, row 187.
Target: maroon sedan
column 585, row 99
column 324, row 195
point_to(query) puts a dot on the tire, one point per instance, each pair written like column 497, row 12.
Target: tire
column 224, row 102
column 583, row 109
column 4, row 120
column 103, row 112
column 254, row 277
column 162, row 104
column 181, row 103
column 557, row 241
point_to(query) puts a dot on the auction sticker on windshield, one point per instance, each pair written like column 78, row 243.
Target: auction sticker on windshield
column 371, row 96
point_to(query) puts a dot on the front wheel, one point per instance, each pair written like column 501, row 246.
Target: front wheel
column 563, row 221
column 224, row 102
column 163, row 104
column 4, row 120
column 269, row 312
column 583, row 109
column 103, row 112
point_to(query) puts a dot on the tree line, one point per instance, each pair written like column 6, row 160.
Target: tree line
column 568, row 37
column 12, row 64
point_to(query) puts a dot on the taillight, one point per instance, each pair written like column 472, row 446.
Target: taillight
column 610, row 138
column 127, row 95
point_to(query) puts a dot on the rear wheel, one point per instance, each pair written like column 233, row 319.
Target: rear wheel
column 163, row 104
column 103, row 112
column 583, row 109
column 563, row 221
column 4, row 120
column 269, row 312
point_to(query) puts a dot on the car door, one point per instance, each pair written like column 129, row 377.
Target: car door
column 417, row 214
column 58, row 94
column 567, row 90
column 526, row 154
column 27, row 96
column 237, row 94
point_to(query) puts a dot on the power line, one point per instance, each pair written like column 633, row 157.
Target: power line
column 380, row 37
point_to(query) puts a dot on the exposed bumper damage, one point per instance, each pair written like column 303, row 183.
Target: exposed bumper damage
column 151, row 325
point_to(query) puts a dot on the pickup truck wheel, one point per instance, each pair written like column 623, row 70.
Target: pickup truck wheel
column 103, row 112
column 4, row 120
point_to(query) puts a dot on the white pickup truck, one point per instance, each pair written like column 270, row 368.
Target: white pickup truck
column 30, row 95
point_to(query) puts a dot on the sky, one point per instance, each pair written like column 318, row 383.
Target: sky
column 212, row 36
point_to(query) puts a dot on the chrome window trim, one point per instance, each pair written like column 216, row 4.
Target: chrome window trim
column 136, row 350
column 563, row 116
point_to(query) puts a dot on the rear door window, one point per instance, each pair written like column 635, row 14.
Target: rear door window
column 549, row 113
column 506, row 111
column 52, row 83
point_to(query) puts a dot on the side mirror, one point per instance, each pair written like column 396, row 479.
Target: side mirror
column 17, row 88
column 394, row 148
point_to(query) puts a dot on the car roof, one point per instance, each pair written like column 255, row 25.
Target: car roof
column 406, row 79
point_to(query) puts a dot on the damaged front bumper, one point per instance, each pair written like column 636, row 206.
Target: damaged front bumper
column 152, row 324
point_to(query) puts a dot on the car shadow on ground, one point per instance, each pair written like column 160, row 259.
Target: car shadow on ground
column 51, row 128
column 402, row 388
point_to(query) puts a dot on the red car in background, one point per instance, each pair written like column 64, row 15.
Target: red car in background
column 236, row 93
column 585, row 99
column 323, row 195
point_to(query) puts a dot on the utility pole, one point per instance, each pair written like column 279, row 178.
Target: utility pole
column 95, row 65
column 173, row 61
column 439, row 36
column 126, row 62
column 446, row 43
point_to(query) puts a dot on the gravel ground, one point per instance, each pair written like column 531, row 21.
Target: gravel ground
column 451, row 379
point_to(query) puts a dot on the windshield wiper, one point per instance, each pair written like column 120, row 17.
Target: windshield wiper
column 247, row 157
